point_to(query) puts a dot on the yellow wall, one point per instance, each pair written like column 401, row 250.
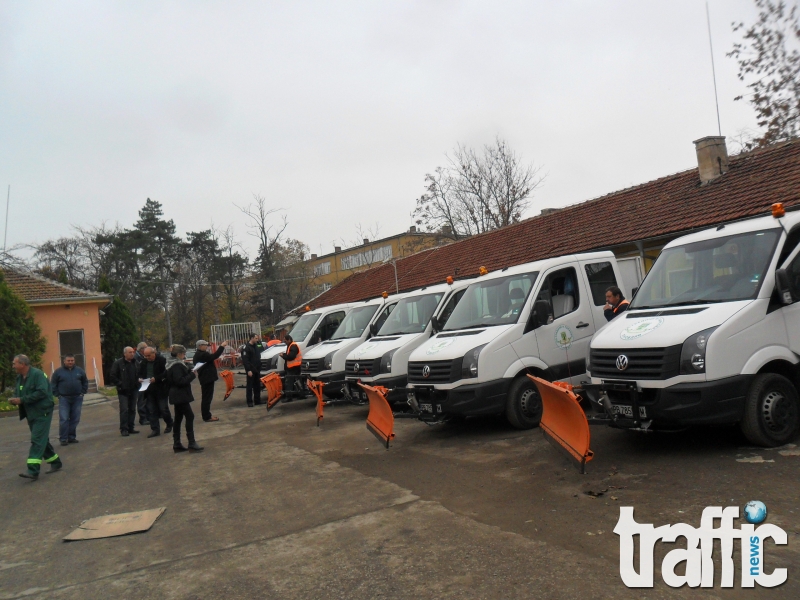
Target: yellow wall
column 402, row 245
column 53, row 318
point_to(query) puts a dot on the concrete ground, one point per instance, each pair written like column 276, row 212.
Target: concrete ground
column 278, row 508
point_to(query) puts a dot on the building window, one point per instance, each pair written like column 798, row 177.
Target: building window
column 326, row 287
column 366, row 258
column 322, row 269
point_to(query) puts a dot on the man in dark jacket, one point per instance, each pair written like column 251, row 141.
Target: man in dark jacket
column 69, row 383
column 153, row 370
column 207, row 376
column 251, row 359
column 141, row 397
column 179, row 378
column 35, row 401
column 126, row 379
column 615, row 303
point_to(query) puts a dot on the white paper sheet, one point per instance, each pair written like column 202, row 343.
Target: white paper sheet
column 197, row 366
column 145, row 385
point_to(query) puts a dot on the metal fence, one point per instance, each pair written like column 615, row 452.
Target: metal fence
column 237, row 335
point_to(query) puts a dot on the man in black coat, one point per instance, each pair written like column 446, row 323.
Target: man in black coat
column 251, row 359
column 153, row 369
column 207, row 376
column 179, row 378
column 126, row 379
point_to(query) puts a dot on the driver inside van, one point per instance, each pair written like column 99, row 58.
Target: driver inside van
column 516, row 299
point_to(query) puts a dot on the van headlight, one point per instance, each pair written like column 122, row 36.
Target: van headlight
column 328, row 362
column 469, row 364
column 693, row 352
column 386, row 361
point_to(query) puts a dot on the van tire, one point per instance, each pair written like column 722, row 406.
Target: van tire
column 771, row 411
column 524, row 405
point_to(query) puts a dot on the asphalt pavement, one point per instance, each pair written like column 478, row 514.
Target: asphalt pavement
column 279, row 508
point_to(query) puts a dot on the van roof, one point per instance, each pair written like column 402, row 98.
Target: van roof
column 758, row 224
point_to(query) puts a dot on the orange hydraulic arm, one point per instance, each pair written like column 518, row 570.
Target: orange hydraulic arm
column 563, row 421
column 380, row 420
column 228, row 377
column 274, row 387
column 316, row 389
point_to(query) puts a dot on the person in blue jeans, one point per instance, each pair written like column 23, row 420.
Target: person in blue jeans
column 69, row 383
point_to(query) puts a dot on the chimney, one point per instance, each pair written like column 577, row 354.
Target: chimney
column 337, row 249
column 446, row 229
column 712, row 157
column 366, row 241
column 313, row 256
column 412, row 229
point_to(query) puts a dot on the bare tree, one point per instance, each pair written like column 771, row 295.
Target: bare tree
column 477, row 192
column 769, row 59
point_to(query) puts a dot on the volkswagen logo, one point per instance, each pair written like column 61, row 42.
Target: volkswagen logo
column 426, row 371
column 622, row 362
column 355, row 368
column 308, row 365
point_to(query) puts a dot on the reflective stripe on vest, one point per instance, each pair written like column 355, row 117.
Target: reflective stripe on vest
column 623, row 303
column 298, row 360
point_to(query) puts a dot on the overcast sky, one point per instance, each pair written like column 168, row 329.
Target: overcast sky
column 335, row 111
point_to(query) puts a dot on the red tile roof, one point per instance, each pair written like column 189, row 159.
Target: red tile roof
column 35, row 289
column 666, row 206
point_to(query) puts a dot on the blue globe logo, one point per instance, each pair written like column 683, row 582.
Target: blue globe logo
column 755, row 512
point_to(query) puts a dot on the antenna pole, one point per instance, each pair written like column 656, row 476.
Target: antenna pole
column 713, row 71
column 5, row 235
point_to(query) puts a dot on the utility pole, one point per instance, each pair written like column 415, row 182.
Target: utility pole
column 8, row 201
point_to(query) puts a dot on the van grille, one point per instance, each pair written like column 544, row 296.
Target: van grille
column 441, row 371
column 313, row 365
column 643, row 363
column 354, row 369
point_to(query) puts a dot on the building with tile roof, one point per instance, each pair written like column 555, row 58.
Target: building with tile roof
column 69, row 318
column 634, row 222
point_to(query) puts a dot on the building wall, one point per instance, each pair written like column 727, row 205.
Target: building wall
column 326, row 271
column 65, row 317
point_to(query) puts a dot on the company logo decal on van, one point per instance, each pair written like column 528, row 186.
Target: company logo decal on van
column 564, row 337
column 364, row 349
column 640, row 328
column 697, row 556
column 439, row 345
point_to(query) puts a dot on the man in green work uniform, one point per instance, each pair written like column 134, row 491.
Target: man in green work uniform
column 35, row 403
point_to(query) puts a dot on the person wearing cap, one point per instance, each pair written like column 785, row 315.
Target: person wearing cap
column 207, row 376
column 615, row 303
column 180, row 380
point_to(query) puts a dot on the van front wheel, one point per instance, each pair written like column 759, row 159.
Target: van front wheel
column 524, row 405
column 771, row 411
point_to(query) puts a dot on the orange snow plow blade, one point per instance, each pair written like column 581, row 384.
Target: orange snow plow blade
column 563, row 421
column 228, row 377
column 380, row 420
column 274, row 387
column 316, row 389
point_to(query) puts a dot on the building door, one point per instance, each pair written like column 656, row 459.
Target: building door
column 71, row 342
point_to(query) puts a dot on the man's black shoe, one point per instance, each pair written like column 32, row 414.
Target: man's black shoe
column 168, row 429
column 144, row 422
column 154, row 434
column 74, row 441
column 259, row 403
column 133, row 431
column 250, row 405
column 64, row 443
column 53, row 469
column 29, row 476
column 124, row 433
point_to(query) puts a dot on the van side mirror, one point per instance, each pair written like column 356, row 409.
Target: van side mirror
column 541, row 313
column 435, row 324
column 633, row 292
column 373, row 329
column 784, row 286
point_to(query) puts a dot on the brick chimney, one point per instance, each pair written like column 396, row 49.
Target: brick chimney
column 337, row 249
column 712, row 157
column 366, row 241
column 412, row 229
column 313, row 256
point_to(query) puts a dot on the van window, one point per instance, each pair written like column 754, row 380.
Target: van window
column 411, row 314
column 560, row 291
column 601, row 277
column 450, row 307
column 304, row 326
column 355, row 322
column 497, row 301
column 327, row 327
column 383, row 316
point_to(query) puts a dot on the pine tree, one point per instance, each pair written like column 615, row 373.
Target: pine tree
column 19, row 333
column 117, row 328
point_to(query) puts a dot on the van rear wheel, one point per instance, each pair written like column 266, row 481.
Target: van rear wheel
column 524, row 405
column 771, row 411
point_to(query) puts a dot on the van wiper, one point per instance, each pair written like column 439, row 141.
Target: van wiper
column 478, row 326
column 689, row 302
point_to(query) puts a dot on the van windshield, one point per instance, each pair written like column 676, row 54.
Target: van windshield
column 411, row 315
column 303, row 326
column 492, row 302
column 355, row 322
column 721, row 269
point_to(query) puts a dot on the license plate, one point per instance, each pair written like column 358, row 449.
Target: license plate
column 426, row 408
column 627, row 411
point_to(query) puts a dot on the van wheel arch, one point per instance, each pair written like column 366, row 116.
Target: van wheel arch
column 523, row 404
column 771, row 411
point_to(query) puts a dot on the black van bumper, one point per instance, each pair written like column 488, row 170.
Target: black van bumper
column 478, row 399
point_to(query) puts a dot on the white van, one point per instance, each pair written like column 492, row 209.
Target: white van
column 383, row 360
column 312, row 328
column 535, row 318
column 326, row 361
column 712, row 336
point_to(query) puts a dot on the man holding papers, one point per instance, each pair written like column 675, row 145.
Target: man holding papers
column 152, row 377
column 207, row 376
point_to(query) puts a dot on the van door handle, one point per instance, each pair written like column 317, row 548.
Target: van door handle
column 581, row 325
